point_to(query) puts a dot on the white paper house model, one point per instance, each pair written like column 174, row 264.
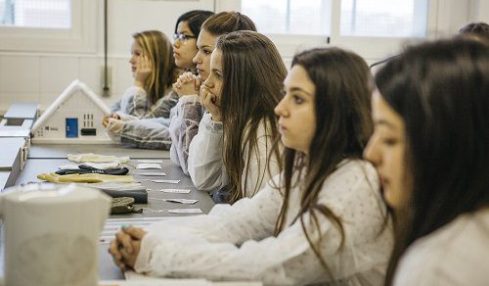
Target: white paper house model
column 74, row 117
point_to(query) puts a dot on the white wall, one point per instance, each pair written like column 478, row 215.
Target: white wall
column 480, row 10
column 41, row 77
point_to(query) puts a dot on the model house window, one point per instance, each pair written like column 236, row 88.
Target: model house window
column 36, row 13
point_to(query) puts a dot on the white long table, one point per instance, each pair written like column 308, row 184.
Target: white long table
column 59, row 151
column 47, row 158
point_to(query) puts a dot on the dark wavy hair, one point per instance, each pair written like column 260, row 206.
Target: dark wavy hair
column 251, row 89
column 343, row 127
column 479, row 30
column 441, row 91
column 194, row 19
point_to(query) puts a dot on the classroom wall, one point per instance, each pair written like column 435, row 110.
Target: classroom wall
column 41, row 77
column 480, row 10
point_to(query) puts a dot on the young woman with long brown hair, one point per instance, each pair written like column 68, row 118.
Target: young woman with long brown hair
column 431, row 148
column 320, row 221
column 154, row 71
column 186, row 116
column 237, row 133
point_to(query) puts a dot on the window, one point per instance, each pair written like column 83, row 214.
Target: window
column 379, row 18
column 48, row 25
column 36, row 13
column 297, row 17
column 384, row 18
column 372, row 28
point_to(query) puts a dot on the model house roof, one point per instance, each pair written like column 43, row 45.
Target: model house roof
column 73, row 89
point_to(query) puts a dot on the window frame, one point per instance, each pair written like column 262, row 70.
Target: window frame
column 371, row 48
column 378, row 47
column 81, row 38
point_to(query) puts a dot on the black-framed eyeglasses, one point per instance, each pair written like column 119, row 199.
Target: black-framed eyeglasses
column 182, row 37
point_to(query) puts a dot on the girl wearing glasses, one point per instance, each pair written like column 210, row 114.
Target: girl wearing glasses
column 187, row 30
column 148, row 128
column 186, row 116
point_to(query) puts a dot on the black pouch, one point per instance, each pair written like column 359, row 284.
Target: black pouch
column 124, row 205
column 83, row 169
column 139, row 196
column 221, row 196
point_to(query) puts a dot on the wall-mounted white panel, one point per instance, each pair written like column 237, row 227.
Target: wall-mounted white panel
column 122, row 72
column 20, row 74
column 57, row 73
column 129, row 16
column 90, row 72
column 46, row 99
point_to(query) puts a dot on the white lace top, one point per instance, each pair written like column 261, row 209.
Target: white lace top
column 237, row 243
column 206, row 165
column 456, row 254
column 134, row 102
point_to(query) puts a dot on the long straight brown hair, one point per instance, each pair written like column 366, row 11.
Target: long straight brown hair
column 253, row 72
column 158, row 48
column 227, row 22
column 441, row 91
column 343, row 127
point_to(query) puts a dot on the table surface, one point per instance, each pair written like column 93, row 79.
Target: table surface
column 155, row 207
column 59, row 151
column 4, row 176
column 10, row 150
column 35, row 167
